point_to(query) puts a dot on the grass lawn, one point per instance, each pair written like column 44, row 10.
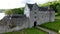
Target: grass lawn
column 28, row 31
column 57, row 17
column 55, row 26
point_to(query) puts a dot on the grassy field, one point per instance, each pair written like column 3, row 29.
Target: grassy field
column 28, row 31
column 55, row 26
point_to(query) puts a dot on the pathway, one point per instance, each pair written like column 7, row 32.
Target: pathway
column 46, row 30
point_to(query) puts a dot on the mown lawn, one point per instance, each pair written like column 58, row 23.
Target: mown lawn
column 55, row 26
column 28, row 31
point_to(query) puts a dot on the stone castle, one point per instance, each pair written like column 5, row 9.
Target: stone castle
column 38, row 15
column 33, row 15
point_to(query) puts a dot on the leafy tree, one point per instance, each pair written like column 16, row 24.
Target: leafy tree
column 8, row 12
column 58, row 9
column 14, row 11
column 54, row 4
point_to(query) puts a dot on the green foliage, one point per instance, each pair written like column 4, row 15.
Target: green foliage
column 58, row 9
column 14, row 11
column 8, row 12
column 54, row 4
column 17, row 11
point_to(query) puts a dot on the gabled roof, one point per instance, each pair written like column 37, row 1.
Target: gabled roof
column 30, row 6
column 40, row 8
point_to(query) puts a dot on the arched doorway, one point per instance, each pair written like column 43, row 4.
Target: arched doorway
column 35, row 23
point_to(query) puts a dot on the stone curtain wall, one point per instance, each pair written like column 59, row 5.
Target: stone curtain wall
column 44, row 17
column 19, row 23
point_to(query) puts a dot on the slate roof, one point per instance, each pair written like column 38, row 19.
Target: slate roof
column 41, row 8
column 30, row 6
column 45, row 8
column 16, row 16
column 51, row 9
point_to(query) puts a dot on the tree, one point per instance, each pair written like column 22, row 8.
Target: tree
column 14, row 11
column 8, row 12
column 54, row 4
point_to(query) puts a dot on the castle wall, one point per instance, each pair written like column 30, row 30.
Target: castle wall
column 41, row 17
column 52, row 16
column 20, row 23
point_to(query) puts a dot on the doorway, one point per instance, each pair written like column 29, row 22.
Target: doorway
column 35, row 23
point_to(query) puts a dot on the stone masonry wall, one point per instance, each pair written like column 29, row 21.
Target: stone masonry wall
column 20, row 23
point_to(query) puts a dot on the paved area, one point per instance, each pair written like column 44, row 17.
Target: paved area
column 46, row 30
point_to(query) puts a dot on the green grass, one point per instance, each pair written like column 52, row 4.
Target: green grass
column 57, row 17
column 55, row 26
column 56, row 13
column 28, row 31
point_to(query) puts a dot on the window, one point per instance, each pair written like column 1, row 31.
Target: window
column 34, row 16
column 35, row 12
column 42, row 16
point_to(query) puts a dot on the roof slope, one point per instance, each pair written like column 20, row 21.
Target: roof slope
column 30, row 6
column 45, row 8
